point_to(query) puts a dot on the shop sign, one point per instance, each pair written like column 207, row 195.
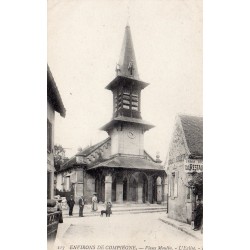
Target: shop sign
column 193, row 165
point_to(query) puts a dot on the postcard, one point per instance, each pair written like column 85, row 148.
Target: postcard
column 124, row 125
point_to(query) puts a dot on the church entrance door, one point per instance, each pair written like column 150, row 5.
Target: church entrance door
column 125, row 186
column 138, row 188
column 113, row 191
column 133, row 189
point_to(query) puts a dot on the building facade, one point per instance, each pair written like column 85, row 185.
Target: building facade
column 118, row 169
column 54, row 104
column 186, row 149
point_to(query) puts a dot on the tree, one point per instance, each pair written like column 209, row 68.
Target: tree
column 197, row 184
column 59, row 156
column 80, row 149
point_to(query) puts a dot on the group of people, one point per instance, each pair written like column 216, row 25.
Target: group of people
column 198, row 212
column 81, row 204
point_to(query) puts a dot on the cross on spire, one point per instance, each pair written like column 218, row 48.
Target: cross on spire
column 128, row 12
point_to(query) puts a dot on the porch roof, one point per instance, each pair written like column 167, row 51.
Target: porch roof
column 129, row 162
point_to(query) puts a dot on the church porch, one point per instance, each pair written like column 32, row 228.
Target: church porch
column 129, row 186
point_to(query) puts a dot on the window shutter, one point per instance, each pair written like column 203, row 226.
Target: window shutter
column 176, row 184
column 169, row 186
column 49, row 136
column 172, row 186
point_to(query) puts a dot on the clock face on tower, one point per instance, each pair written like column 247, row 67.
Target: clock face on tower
column 131, row 134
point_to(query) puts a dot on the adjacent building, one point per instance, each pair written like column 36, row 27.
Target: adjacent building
column 54, row 104
column 118, row 168
column 184, row 167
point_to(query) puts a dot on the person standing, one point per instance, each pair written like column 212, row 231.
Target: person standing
column 198, row 215
column 94, row 202
column 71, row 204
column 81, row 206
column 59, row 209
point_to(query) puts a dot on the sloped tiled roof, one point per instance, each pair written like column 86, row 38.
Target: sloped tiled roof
column 193, row 130
column 132, row 162
column 89, row 150
column 53, row 94
column 115, row 120
column 129, row 162
column 72, row 161
column 148, row 155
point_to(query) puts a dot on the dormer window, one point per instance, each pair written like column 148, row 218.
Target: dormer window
column 134, row 103
column 125, row 106
column 131, row 68
column 126, row 102
column 117, row 69
column 126, row 98
column 135, row 97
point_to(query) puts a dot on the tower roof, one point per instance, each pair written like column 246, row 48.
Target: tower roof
column 116, row 120
column 127, row 63
column 126, row 69
column 129, row 162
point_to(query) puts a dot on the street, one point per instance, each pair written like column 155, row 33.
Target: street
column 144, row 231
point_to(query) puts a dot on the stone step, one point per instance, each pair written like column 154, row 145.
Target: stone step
column 130, row 204
column 138, row 209
column 120, row 211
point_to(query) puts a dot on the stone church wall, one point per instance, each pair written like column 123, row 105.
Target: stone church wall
column 89, row 187
column 127, row 139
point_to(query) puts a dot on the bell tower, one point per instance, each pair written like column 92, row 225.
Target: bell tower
column 127, row 128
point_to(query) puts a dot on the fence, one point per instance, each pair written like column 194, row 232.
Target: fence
column 52, row 224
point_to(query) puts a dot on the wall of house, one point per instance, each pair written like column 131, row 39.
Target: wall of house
column 179, row 203
column 59, row 181
column 64, row 181
column 50, row 158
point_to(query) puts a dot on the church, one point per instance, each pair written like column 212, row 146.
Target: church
column 118, row 168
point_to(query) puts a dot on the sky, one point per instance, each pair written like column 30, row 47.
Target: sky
column 84, row 44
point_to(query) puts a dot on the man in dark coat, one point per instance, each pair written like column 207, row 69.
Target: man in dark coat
column 198, row 215
column 71, row 204
column 81, row 206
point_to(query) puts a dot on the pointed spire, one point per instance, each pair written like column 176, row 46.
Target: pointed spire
column 127, row 63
